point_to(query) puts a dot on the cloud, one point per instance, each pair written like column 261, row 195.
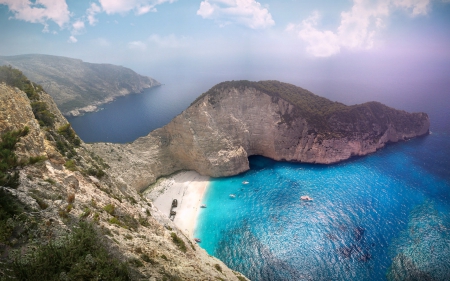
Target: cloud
column 137, row 45
column 244, row 12
column 40, row 11
column 72, row 39
column 124, row 6
column 155, row 40
column 78, row 27
column 320, row 43
column 358, row 27
column 91, row 12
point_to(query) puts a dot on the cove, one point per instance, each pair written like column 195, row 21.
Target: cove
column 380, row 217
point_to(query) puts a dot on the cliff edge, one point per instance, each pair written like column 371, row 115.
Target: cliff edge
column 58, row 200
column 237, row 119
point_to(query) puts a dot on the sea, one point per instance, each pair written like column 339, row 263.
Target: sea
column 384, row 216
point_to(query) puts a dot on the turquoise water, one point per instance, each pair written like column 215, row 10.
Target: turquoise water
column 383, row 216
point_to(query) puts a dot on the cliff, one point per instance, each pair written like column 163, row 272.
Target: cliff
column 61, row 186
column 78, row 86
column 234, row 120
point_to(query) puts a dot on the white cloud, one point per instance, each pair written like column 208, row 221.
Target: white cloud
column 124, row 6
column 320, row 43
column 93, row 10
column 358, row 27
column 72, row 39
column 78, row 27
column 40, row 11
column 245, row 12
column 137, row 45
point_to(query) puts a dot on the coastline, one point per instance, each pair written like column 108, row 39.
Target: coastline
column 188, row 187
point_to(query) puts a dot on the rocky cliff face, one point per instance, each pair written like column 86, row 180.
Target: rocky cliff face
column 234, row 120
column 67, row 185
column 78, row 86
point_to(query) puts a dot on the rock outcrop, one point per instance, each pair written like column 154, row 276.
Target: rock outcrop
column 76, row 86
column 234, row 120
column 67, row 185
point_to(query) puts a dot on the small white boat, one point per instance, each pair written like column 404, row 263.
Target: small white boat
column 232, row 196
column 245, row 182
column 306, row 198
column 203, row 206
column 197, row 240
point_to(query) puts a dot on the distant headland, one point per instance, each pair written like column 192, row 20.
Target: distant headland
column 237, row 119
column 76, row 86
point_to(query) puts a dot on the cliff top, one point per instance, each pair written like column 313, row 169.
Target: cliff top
column 324, row 115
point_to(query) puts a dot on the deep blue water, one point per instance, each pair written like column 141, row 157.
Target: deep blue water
column 374, row 217
column 133, row 116
column 366, row 212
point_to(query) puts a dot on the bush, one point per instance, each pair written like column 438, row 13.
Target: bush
column 80, row 256
column 9, row 207
column 179, row 242
column 8, row 159
column 33, row 160
column 69, row 134
column 109, row 209
column 70, row 165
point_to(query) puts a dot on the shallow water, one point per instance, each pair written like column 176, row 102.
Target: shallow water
column 366, row 212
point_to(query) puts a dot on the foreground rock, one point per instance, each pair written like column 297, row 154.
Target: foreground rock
column 234, row 120
column 65, row 183
column 76, row 86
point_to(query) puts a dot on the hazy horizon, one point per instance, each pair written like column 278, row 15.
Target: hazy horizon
column 394, row 51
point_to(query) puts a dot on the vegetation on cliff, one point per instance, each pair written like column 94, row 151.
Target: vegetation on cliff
column 8, row 160
column 15, row 78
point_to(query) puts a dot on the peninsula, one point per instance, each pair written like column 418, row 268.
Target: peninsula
column 77, row 86
column 237, row 119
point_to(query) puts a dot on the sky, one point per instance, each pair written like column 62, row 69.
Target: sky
column 343, row 49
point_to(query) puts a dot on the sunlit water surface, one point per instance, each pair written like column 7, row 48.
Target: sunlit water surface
column 366, row 213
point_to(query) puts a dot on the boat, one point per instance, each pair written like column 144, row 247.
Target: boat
column 306, row 198
column 203, row 206
column 197, row 240
column 232, row 195
column 245, row 182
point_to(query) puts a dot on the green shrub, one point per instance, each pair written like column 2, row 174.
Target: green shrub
column 8, row 160
column 10, row 207
column 80, row 256
column 115, row 221
column 69, row 134
column 70, row 165
column 109, row 209
column 33, row 160
column 179, row 242
column 86, row 213
column 143, row 221
column 164, row 257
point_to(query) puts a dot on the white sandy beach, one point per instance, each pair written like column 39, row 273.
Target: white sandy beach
column 188, row 187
